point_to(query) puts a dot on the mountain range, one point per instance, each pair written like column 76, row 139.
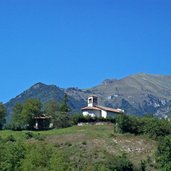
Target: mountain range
column 137, row 94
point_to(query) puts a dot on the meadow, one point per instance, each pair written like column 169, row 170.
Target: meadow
column 88, row 147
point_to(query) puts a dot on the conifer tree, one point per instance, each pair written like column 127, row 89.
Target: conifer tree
column 64, row 106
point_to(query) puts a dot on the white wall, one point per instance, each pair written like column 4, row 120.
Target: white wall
column 98, row 113
column 104, row 113
column 92, row 113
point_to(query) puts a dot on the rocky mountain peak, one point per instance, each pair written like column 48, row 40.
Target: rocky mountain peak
column 38, row 85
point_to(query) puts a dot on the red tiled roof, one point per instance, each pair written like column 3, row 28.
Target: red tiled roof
column 90, row 108
column 102, row 108
column 110, row 109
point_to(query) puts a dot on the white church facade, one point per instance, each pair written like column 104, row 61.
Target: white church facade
column 93, row 109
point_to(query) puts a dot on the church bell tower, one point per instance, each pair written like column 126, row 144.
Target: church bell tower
column 92, row 101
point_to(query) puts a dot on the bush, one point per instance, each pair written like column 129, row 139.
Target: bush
column 127, row 123
column 10, row 138
column 13, row 153
column 62, row 120
column 163, row 154
column 39, row 137
column 77, row 118
column 153, row 127
column 59, row 161
column 37, row 157
column 120, row 163
column 29, row 135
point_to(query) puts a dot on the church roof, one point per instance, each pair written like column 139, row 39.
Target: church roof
column 103, row 108
column 90, row 108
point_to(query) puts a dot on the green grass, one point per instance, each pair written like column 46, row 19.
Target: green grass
column 90, row 130
column 91, row 143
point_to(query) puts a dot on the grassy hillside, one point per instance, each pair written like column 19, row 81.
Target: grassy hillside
column 83, row 147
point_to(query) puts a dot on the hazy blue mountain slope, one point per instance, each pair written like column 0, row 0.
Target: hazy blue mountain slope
column 39, row 91
column 137, row 94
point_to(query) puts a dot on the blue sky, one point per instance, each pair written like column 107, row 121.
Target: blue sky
column 81, row 43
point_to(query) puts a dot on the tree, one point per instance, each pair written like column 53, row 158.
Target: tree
column 3, row 113
column 23, row 114
column 51, row 107
column 123, row 123
column 59, row 116
column 64, row 106
column 62, row 120
column 31, row 109
column 17, row 122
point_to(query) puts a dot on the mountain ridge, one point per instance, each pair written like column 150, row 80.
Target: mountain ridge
column 137, row 94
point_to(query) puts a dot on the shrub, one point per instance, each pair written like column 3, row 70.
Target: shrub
column 120, row 163
column 59, row 162
column 13, row 153
column 39, row 137
column 155, row 127
column 62, row 120
column 77, row 118
column 10, row 138
column 37, row 157
column 127, row 123
column 163, row 154
column 84, row 143
column 151, row 126
column 29, row 135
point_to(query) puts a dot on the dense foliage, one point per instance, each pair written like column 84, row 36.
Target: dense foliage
column 23, row 114
column 151, row 126
column 33, row 112
column 163, row 154
column 2, row 115
column 159, row 129
column 120, row 163
column 79, row 118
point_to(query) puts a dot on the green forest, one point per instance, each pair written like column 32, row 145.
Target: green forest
column 123, row 143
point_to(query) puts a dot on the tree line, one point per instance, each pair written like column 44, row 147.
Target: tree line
column 32, row 112
column 47, row 115
column 24, row 114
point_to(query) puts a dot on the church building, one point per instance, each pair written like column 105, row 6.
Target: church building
column 93, row 109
